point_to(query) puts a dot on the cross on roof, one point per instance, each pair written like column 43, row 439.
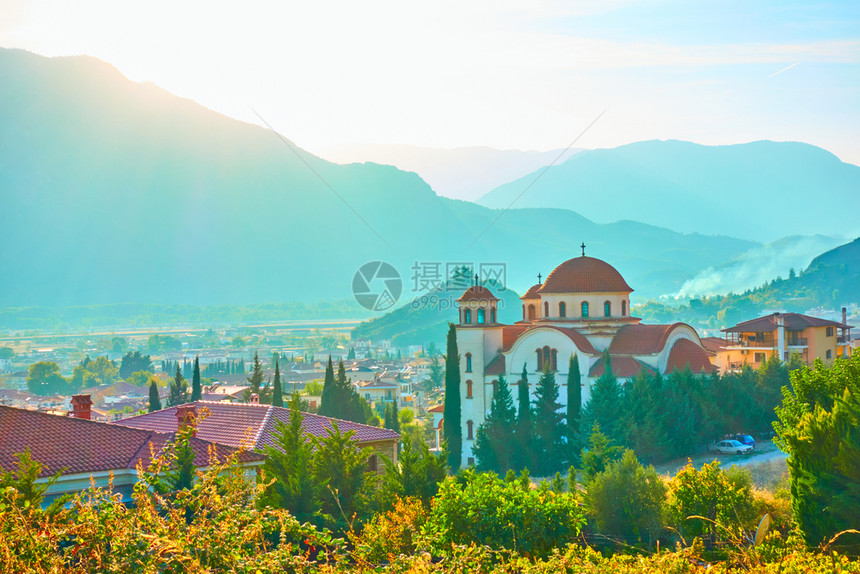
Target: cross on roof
column 476, row 279
column 583, row 249
column 539, row 276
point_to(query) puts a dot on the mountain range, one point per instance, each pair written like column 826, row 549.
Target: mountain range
column 120, row 192
column 762, row 190
column 459, row 173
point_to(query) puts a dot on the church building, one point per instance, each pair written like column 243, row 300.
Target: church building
column 582, row 309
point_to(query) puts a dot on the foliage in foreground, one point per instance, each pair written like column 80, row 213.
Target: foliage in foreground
column 226, row 532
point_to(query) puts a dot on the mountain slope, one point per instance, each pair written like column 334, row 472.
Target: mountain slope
column 459, row 173
column 119, row 192
column 762, row 190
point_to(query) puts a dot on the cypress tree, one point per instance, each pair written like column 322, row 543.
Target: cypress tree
column 451, row 423
column 548, row 425
column 525, row 428
column 329, row 393
column 395, row 417
column 494, row 441
column 277, row 392
column 178, row 389
column 154, row 400
column 574, row 406
column 196, row 388
column 603, row 405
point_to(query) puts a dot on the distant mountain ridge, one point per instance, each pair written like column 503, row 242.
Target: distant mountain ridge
column 119, row 192
column 762, row 190
column 459, row 173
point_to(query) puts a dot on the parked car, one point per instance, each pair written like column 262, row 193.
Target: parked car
column 745, row 439
column 733, row 447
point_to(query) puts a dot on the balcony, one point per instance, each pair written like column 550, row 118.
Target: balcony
column 798, row 342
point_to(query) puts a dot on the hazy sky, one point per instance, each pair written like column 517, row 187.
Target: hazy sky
column 510, row 74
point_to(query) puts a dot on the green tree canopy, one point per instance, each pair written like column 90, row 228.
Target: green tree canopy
column 452, row 423
column 154, row 399
column 495, row 445
column 549, row 428
column 133, row 362
column 178, row 390
column 44, row 378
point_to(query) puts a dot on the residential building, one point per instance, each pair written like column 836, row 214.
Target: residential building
column 782, row 335
column 254, row 426
column 87, row 452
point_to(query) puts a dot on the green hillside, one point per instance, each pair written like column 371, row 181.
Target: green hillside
column 831, row 281
column 119, row 192
column 761, row 190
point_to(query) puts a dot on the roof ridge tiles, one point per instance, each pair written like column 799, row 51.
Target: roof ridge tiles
column 263, row 425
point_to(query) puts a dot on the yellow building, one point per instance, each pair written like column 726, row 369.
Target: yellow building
column 782, row 335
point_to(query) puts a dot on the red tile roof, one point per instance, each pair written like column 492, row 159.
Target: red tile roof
column 585, row 275
column 640, row 339
column 251, row 425
column 713, row 345
column 578, row 338
column 532, row 293
column 685, row 353
column 436, row 409
column 623, row 367
column 477, row 293
column 82, row 446
column 792, row 322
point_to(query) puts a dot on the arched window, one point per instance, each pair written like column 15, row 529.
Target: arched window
column 554, row 360
column 495, row 386
column 482, row 316
column 539, row 359
column 469, row 425
column 546, row 308
column 623, row 308
column 467, row 316
column 524, row 312
column 585, row 309
column 468, row 362
column 562, row 309
column 468, row 389
column 547, row 359
column 492, row 316
column 531, row 312
column 607, row 309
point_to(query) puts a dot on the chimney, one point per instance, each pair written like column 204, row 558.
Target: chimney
column 81, row 407
column 844, row 315
column 255, row 398
column 186, row 415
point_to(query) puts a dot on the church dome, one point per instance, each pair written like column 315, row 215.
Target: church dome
column 585, row 275
column 477, row 293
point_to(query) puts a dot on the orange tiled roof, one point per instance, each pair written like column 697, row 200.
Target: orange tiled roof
column 685, row 353
column 516, row 331
column 792, row 321
column 532, row 293
column 252, row 425
column 75, row 446
column 640, row 339
column 477, row 293
column 713, row 344
column 585, row 275
column 623, row 367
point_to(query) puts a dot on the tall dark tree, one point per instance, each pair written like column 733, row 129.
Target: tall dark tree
column 549, row 426
column 603, row 407
column 256, row 381
column 290, row 462
column 277, row 391
column 494, row 442
column 350, row 356
column 154, row 399
column 329, row 393
column 196, row 387
column 524, row 431
column 452, row 423
column 574, row 407
column 178, row 389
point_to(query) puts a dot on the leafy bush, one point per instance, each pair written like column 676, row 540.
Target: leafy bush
column 627, row 499
column 482, row 508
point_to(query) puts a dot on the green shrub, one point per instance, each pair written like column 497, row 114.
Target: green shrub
column 484, row 509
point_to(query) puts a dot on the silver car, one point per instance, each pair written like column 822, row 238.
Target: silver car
column 732, row 447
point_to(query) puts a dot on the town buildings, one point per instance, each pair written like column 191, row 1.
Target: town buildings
column 581, row 310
